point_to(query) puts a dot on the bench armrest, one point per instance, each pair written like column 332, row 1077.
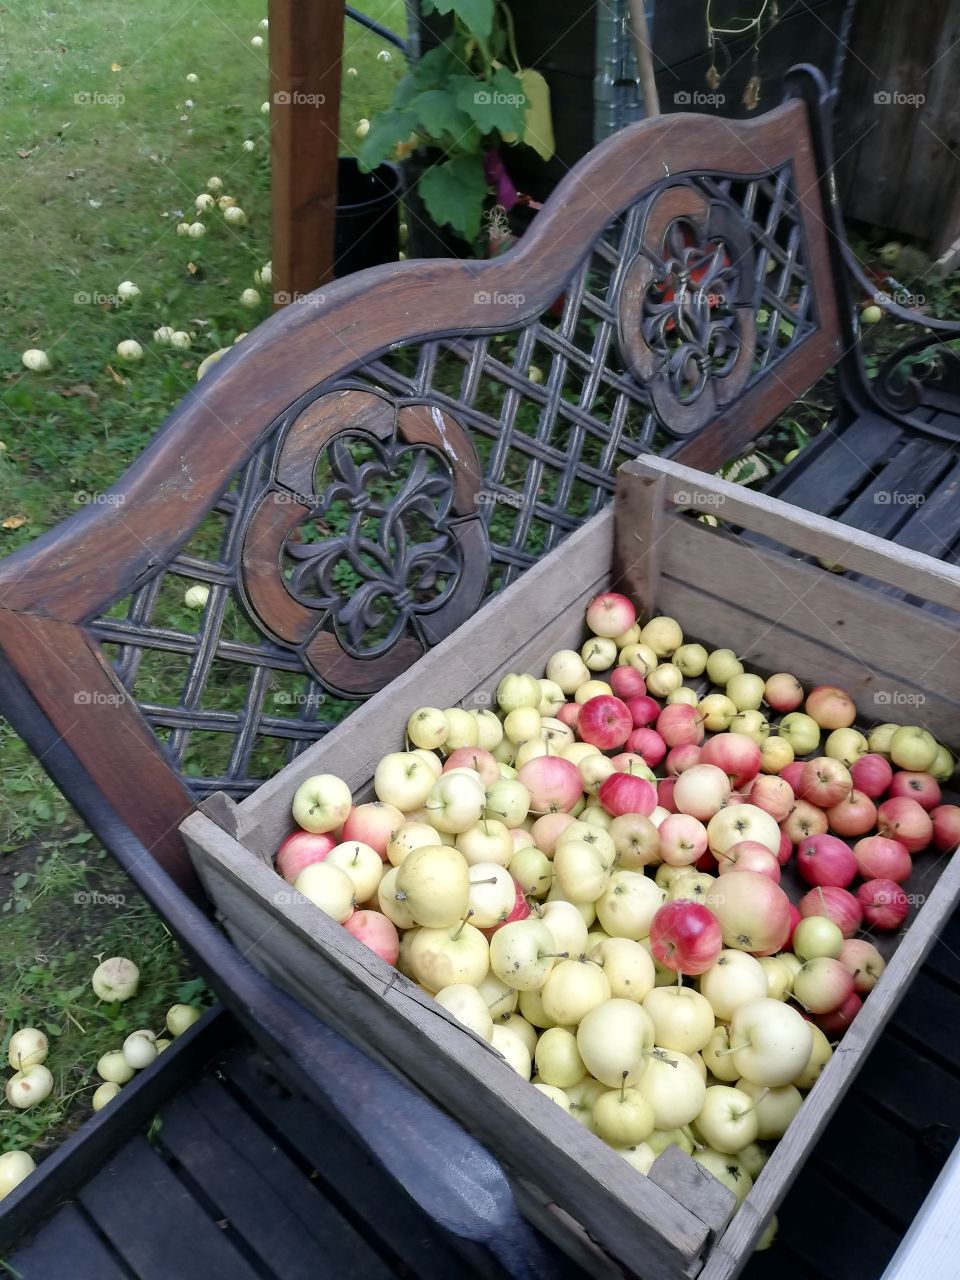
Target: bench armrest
column 906, row 315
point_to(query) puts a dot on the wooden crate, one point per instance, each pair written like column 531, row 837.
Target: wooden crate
column 780, row 613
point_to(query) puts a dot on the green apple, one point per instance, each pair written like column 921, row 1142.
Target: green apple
column 746, row 691
column 774, row 1108
column 847, row 745
column 572, row 989
column 717, row 711
column 674, row 1087
column 682, row 1018
column 728, row 1119
column 691, row 659
column 180, row 1017
column 722, row 666
column 726, row 1169
column 512, row 1048
column 623, row 1117
column 427, row 728
column 522, row 954
column 449, row 956
column 817, row 936
column 614, row 1040
column 323, row 802
column 943, row 765
column 770, row 1041
column 468, row 1007
column 913, row 748
column 879, row 738
column 801, row 731
column 558, row 1059
column 15, row 1166
column 103, row 1094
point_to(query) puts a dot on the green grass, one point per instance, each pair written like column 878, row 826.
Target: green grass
column 91, row 190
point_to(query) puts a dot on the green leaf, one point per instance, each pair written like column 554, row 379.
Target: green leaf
column 537, row 120
column 453, row 193
column 494, row 104
column 386, row 131
column 439, row 114
column 475, row 14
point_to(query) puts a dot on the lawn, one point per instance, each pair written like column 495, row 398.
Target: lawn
column 106, row 145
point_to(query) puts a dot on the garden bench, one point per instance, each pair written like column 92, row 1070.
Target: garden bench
column 685, row 284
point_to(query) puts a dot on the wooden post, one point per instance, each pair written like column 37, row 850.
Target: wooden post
column 306, row 41
column 640, row 35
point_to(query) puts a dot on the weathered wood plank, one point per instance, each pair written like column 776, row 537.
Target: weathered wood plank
column 68, row 1235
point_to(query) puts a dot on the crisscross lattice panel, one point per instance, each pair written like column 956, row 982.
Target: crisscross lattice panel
column 712, row 275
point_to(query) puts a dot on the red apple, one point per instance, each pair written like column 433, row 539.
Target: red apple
column 605, row 722
column 683, row 840
column 795, row 918
column 736, row 754
column 548, row 829
column 880, row 858
column 754, row 913
column 772, row 794
column 792, row 773
column 903, row 819
column 749, row 855
column 871, row 774
column 783, row 692
column 647, row 744
column 623, row 793
column 630, row 762
column 375, row 931
column 825, row 782
column 853, row 816
column 627, row 682
column 946, row 827
column 838, row 905
column 863, row 962
column 300, row 850
column 918, row 786
column 680, row 725
column 825, row 860
column 665, row 793
column 610, row 614
column 884, row 903
column 702, row 791
column 707, row 862
column 521, row 909
column 569, row 714
column 837, row 1022
column 554, row 784
column 785, row 852
column 681, row 758
column 685, row 937
column 472, row 758
column 832, row 708
column 805, row 820
column 643, row 710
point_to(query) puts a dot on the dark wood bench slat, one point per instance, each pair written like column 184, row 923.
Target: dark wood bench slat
column 154, row 1223
column 933, row 526
column 914, row 469
column 861, row 446
column 930, row 1014
column 947, row 419
column 944, row 957
column 318, row 1138
column 920, row 1093
column 862, row 1248
column 67, row 1246
column 280, row 1213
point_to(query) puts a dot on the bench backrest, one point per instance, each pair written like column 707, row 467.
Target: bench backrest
column 357, row 475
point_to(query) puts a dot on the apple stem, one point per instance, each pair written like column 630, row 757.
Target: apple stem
column 660, row 1056
column 554, row 955
column 400, row 896
column 688, row 1133
column 734, row 1048
column 462, row 923
column 492, row 880
column 623, row 1084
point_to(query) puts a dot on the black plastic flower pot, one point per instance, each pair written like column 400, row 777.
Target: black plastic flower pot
column 368, row 224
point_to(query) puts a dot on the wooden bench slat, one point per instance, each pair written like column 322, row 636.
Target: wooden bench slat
column 281, row 1214
column 914, row 470
column 902, row 1079
column 862, row 1249
column 862, row 446
column 164, row 1233
column 67, row 1245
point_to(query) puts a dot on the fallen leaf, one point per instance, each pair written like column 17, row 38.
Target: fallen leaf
column 116, row 66
column 121, row 382
column 13, row 522
column 81, row 389
column 23, row 152
column 192, row 268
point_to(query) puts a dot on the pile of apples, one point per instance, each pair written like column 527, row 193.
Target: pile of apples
column 621, row 938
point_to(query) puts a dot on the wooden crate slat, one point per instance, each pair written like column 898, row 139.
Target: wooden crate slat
column 284, row 1219
column 68, row 1235
column 162, row 1235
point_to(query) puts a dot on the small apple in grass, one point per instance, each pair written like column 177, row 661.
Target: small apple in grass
column 770, row 1042
column 717, row 711
column 685, row 937
column 824, row 782
column 701, row 791
column 830, row 707
column 749, row 855
column 879, row 857
column 301, row 848
column 913, row 748
column 610, row 614
column 885, row 905
column 322, row 803
column 838, row 905
column 918, row 786
column 871, row 774
column 15, row 1166
column 375, row 931
column 853, row 816
column 647, row 744
column 945, row 819
column 679, row 759
column 826, row 860
column 817, row 936
column 736, row 754
column 905, row 820
column 801, row 731
column 783, row 692
column 28, row 1048
column 606, row 722
column 623, row 793
column 863, row 962
column 773, row 795
column 627, row 683
column 805, row 820
column 837, row 1021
